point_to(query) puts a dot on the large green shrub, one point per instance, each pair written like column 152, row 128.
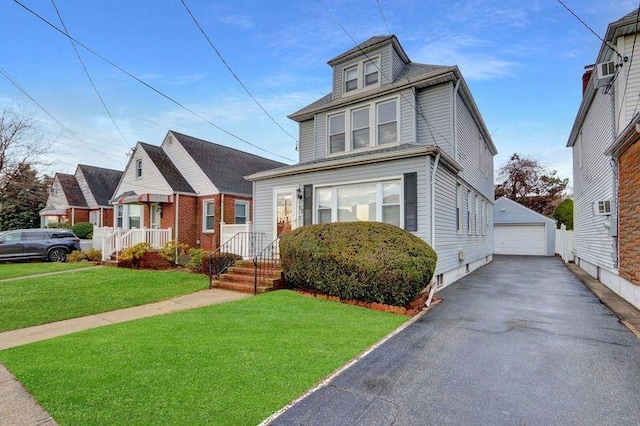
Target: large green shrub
column 564, row 214
column 367, row 261
column 82, row 229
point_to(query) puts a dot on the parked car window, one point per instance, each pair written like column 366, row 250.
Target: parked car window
column 11, row 236
column 62, row 235
column 38, row 235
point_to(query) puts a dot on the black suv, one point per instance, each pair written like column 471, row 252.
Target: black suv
column 47, row 244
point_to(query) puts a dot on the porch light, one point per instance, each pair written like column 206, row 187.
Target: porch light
column 299, row 193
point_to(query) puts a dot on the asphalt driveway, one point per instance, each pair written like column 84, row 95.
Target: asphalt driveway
column 518, row 342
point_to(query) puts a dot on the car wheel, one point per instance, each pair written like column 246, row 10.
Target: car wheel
column 57, row 255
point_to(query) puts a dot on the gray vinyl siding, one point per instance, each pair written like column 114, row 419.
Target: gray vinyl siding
column 386, row 71
column 628, row 86
column 436, row 106
column 263, row 189
column 397, row 64
column 320, row 150
column 306, row 142
column 472, row 149
column 407, row 119
column 593, row 180
column 449, row 242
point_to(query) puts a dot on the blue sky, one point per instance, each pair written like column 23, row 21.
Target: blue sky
column 523, row 61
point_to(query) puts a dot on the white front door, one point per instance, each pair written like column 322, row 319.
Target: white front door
column 285, row 204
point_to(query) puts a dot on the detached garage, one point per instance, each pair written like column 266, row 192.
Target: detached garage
column 520, row 230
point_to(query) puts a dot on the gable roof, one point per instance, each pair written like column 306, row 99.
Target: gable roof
column 225, row 167
column 369, row 45
column 102, row 182
column 165, row 166
column 71, row 189
column 517, row 214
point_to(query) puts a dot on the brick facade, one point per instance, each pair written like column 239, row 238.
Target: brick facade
column 629, row 214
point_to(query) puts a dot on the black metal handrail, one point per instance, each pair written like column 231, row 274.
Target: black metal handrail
column 240, row 246
column 265, row 262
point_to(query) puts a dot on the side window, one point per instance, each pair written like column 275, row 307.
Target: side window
column 37, row 235
column 241, row 212
column 13, row 236
column 208, row 216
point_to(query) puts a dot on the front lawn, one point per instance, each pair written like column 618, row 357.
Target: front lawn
column 15, row 270
column 234, row 363
column 40, row 300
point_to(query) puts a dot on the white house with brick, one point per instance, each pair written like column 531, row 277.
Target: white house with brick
column 605, row 164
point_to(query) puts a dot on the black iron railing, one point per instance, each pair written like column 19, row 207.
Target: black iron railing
column 243, row 245
column 265, row 262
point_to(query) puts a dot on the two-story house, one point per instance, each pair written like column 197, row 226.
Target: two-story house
column 188, row 187
column 81, row 197
column 605, row 159
column 395, row 142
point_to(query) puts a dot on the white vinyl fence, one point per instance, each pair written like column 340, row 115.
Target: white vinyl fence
column 564, row 244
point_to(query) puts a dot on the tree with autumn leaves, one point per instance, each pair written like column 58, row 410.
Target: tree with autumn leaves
column 22, row 192
column 525, row 181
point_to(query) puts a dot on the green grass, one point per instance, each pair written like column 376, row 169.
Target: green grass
column 41, row 300
column 15, row 270
column 235, row 363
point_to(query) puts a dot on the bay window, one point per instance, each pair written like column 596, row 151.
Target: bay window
column 135, row 216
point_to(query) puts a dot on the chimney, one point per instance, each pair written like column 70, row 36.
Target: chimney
column 588, row 70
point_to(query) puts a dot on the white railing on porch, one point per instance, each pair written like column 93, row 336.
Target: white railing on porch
column 114, row 242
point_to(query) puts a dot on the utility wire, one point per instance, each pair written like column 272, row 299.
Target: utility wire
column 6, row 74
column 383, row 17
column 588, row 27
column 86, row 72
column 195, row 21
column 413, row 105
column 167, row 97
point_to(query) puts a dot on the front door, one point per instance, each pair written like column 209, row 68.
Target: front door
column 286, row 210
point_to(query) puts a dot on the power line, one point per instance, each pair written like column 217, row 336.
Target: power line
column 86, row 72
column 195, row 21
column 383, row 17
column 588, row 27
column 167, row 97
column 413, row 105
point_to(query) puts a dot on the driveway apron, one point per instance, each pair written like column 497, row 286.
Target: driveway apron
column 519, row 341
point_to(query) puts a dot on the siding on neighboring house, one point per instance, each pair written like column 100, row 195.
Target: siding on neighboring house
column 263, row 189
column 185, row 164
column 593, row 179
column 151, row 181
column 627, row 82
column 435, row 104
column 472, row 149
column 86, row 191
column 629, row 209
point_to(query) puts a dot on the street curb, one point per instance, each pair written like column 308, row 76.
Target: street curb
column 628, row 314
column 324, row 382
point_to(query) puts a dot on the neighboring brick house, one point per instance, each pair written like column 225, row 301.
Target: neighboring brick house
column 81, row 197
column 188, row 185
column 395, row 142
column 605, row 164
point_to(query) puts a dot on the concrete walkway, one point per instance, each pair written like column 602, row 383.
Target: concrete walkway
column 17, row 406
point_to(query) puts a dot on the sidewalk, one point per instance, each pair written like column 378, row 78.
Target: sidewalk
column 18, row 407
column 625, row 311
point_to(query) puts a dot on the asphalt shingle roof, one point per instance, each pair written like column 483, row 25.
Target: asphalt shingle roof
column 102, row 182
column 71, row 189
column 166, row 167
column 224, row 166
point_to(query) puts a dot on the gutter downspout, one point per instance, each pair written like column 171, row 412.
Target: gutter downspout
column 614, row 183
column 454, row 116
column 433, row 223
column 213, row 237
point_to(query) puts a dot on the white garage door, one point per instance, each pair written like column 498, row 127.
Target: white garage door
column 520, row 239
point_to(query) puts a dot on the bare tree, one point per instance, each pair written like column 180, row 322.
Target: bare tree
column 525, row 181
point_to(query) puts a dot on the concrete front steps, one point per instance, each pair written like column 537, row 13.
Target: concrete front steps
column 240, row 277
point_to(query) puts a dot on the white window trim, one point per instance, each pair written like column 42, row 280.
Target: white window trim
column 334, row 197
column 360, row 70
column 139, row 168
column 373, row 126
column 204, row 216
column 246, row 210
column 459, row 208
column 469, row 213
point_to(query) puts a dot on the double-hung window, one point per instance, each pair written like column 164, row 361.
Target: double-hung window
column 391, row 202
column 135, row 216
column 351, row 79
column 336, row 133
column 371, row 72
column 138, row 168
column 387, row 123
column 119, row 216
column 360, row 128
column 241, row 208
column 208, row 216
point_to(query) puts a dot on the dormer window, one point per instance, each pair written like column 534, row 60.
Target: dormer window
column 351, row 79
column 362, row 75
column 371, row 73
